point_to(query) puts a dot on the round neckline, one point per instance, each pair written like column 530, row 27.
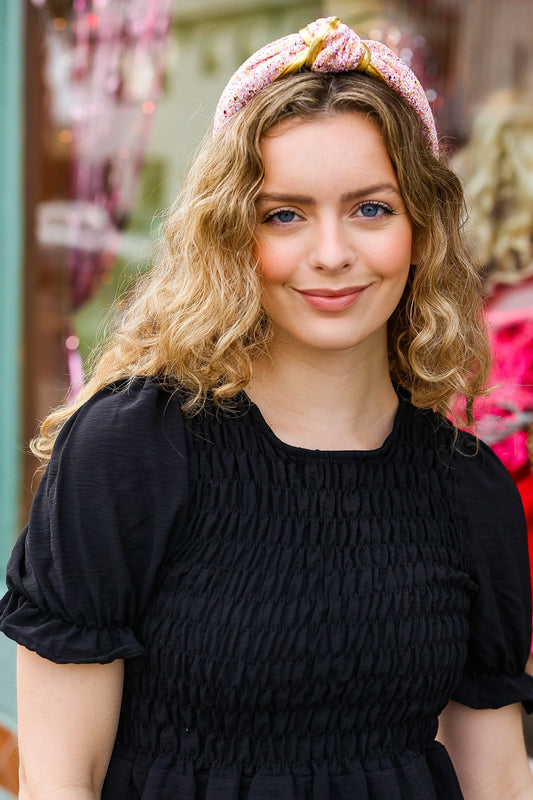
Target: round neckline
column 264, row 428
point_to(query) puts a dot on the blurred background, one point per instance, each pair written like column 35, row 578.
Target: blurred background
column 103, row 103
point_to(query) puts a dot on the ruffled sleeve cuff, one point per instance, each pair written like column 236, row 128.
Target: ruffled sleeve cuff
column 62, row 641
column 495, row 691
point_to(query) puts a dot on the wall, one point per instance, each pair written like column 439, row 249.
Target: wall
column 11, row 135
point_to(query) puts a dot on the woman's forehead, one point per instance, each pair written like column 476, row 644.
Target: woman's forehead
column 340, row 146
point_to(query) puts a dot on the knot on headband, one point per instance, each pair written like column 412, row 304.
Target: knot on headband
column 327, row 52
column 326, row 45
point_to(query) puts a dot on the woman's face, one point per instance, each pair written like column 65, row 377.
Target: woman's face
column 334, row 241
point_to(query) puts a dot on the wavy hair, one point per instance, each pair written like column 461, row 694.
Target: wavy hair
column 195, row 320
column 497, row 169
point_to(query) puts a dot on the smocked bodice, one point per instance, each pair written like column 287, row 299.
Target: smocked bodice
column 309, row 614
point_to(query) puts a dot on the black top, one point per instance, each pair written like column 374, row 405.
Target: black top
column 293, row 621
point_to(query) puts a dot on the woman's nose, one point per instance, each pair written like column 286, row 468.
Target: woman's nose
column 332, row 247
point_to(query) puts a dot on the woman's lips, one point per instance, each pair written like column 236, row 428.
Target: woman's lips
column 332, row 300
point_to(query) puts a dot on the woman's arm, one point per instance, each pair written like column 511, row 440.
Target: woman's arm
column 488, row 752
column 68, row 716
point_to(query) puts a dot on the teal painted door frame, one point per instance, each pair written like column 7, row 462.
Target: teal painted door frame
column 11, row 232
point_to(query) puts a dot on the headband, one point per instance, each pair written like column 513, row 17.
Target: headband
column 326, row 45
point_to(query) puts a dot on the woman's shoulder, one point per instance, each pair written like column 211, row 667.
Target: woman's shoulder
column 481, row 493
column 484, row 488
column 125, row 419
column 129, row 398
column 488, row 490
column 479, row 471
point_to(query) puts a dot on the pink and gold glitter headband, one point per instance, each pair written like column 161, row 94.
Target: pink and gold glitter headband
column 326, row 45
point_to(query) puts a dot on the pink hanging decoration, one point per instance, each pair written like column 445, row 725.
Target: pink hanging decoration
column 118, row 68
column 75, row 365
column 505, row 417
column 105, row 73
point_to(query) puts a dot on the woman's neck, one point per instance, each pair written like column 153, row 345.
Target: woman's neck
column 327, row 403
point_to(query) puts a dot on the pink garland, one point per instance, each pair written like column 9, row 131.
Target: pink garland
column 504, row 417
column 116, row 63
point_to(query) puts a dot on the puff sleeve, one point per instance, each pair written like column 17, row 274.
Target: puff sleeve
column 108, row 508
column 500, row 613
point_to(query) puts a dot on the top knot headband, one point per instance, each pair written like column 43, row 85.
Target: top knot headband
column 326, row 45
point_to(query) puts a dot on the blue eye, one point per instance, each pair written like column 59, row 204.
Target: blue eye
column 284, row 215
column 371, row 209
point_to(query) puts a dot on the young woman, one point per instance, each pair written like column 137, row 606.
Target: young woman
column 261, row 563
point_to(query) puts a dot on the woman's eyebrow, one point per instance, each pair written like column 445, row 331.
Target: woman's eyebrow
column 278, row 197
column 369, row 190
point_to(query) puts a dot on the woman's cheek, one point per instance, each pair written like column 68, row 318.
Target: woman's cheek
column 275, row 259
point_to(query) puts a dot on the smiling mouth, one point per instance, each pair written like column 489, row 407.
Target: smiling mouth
column 332, row 299
column 332, row 292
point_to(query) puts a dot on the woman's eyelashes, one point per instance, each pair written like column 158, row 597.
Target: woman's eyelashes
column 369, row 209
column 281, row 216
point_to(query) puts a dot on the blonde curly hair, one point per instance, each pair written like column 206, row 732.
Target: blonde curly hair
column 497, row 170
column 196, row 322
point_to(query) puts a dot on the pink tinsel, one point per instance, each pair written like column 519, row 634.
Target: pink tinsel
column 504, row 416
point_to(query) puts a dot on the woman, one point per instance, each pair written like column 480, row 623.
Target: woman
column 255, row 568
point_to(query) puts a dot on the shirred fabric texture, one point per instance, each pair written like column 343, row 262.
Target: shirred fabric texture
column 293, row 621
